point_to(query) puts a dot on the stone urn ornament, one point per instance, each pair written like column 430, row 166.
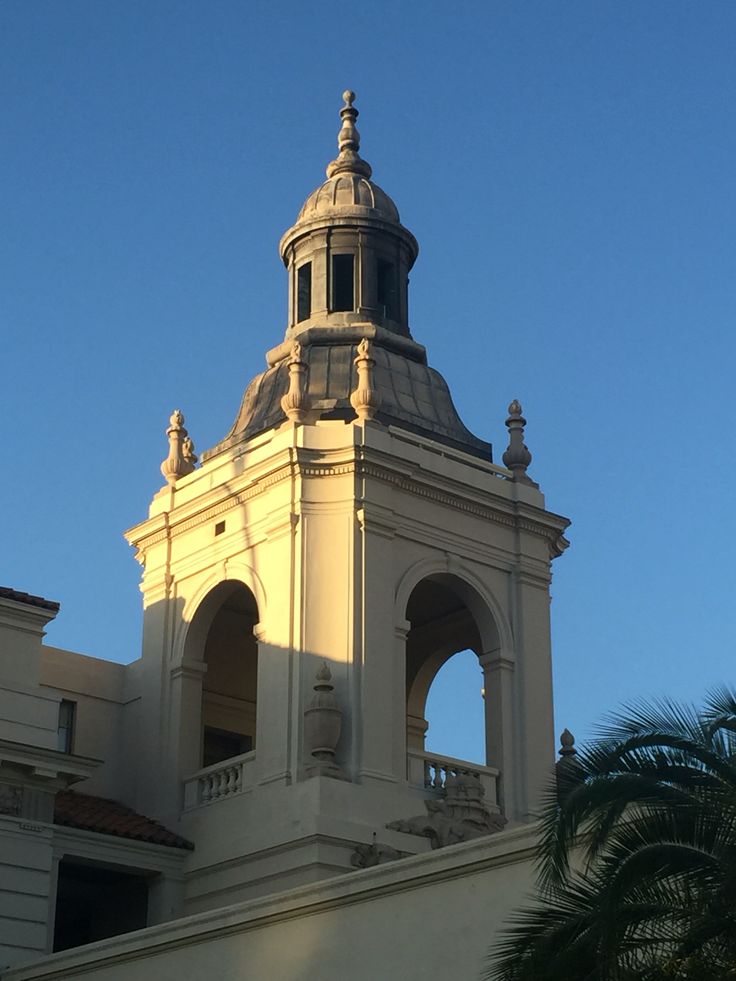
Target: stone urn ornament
column 322, row 727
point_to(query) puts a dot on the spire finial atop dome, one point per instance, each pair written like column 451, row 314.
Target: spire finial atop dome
column 348, row 142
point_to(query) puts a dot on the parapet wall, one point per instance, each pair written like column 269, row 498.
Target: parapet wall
column 432, row 916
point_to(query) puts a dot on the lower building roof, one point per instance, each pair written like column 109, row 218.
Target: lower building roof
column 28, row 598
column 89, row 813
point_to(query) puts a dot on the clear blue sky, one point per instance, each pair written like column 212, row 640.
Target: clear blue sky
column 568, row 169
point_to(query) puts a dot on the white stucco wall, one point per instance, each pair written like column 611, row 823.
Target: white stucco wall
column 429, row 917
column 102, row 696
column 26, row 860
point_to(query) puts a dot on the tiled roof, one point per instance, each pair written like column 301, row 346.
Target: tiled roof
column 413, row 396
column 89, row 813
column 14, row 594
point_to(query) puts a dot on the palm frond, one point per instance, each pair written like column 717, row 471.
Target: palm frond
column 637, row 855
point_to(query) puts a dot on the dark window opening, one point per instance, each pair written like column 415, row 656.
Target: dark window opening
column 304, row 291
column 219, row 745
column 388, row 294
column 93, row 903
column 219, row 527
column 343, row 282
column 65, row 732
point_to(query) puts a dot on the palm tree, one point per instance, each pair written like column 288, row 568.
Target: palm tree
column 637, row 858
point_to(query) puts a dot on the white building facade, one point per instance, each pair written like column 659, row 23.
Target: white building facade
column 253, row 797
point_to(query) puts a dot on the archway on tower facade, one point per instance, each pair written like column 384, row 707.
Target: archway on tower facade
column 222, row 637
column 449, row 618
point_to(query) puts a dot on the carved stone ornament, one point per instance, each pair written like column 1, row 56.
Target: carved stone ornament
column 567, row 744
column 568, row 771
column 295, row 403
column 187, row 450
column 182, row 458
column 517, row 456
column 366, row 399
column 348, row 142
column 11, row 798
column 322, row 727
column 460, row 816
column 367, row 856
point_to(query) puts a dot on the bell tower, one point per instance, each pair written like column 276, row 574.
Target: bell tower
column 306, row 582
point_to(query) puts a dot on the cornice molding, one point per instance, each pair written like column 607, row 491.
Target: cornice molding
column 453, row 494
column 550, row 527
column 24, row 617
column 98, row 846
column 47, row 764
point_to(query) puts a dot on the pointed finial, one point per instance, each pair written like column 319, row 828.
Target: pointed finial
column 568, row 770
column 348, row 142
column 181, row 459
column 366, row 400
column 517, row 456
column 295, row 403
column 567, row 744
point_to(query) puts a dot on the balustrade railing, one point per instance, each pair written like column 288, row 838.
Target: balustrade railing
column 218, row 781
column 430, row 772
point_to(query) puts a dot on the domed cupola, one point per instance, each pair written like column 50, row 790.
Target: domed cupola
column 348, row 257
column 348, row 254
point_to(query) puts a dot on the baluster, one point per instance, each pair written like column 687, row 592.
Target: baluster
column 237, row 778
column 232, row 779
column 427, row 773
column 204, row 790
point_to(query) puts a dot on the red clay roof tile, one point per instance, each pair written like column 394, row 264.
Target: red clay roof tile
column 14, row 594
column 89, row 813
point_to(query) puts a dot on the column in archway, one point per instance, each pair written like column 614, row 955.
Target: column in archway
column 498, row 702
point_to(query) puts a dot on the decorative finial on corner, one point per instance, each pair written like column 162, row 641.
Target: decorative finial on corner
column 182, row 458
column 567, row 744
column 295, row 403
column 517, row 456
column 366, row 399
column 568, row 769
column 348, row 142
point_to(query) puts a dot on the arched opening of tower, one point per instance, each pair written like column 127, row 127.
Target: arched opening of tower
column 457, row 693
column 451, row 638
column 230, row 683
